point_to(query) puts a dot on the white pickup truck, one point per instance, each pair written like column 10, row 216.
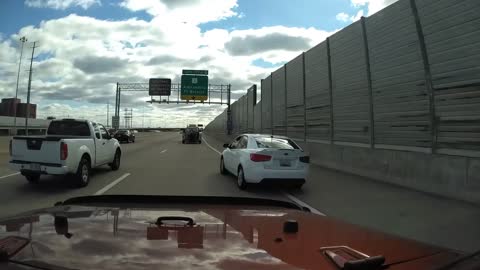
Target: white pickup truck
column 71, row 147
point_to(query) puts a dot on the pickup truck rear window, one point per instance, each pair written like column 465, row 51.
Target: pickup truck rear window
column 69, row 128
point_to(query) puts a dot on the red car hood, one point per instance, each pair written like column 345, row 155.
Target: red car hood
column 223, row 237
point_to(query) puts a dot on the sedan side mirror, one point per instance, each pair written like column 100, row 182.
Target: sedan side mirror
column 226, row 145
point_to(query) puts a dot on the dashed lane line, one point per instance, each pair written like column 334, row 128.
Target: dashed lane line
column 112, row 184
column 8, row 175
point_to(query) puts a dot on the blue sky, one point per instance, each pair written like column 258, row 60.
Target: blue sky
column 311, row 13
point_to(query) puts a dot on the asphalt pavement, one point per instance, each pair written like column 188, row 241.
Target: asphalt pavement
column 159, row 164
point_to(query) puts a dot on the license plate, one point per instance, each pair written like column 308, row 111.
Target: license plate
column 285, row 163
column 35, row 167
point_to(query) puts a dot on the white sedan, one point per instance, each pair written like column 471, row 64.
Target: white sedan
column 256, row 158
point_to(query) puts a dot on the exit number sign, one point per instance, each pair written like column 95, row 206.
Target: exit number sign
column 194, row 87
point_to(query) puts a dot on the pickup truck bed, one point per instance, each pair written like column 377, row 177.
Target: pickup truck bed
column 65, row 154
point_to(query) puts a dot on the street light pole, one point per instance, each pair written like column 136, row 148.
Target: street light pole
column 143, row 116
column 23, row 40
column 28, row 90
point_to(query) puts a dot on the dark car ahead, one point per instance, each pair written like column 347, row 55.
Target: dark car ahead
column 124, row 135
column 191, row 135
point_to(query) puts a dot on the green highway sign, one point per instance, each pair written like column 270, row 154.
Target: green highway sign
column 194, row 87
column 194, row 72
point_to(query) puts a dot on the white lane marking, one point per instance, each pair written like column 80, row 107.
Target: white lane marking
column 112, row 184
column 8, row 175
column 303, row 204
column 163, row 151
column 218, row 152
column 290, row 196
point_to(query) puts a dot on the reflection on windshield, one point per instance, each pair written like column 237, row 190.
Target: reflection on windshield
column 225, row 237
column 277, row 143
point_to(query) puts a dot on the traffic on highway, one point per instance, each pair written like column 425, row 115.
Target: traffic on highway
column 333, row 136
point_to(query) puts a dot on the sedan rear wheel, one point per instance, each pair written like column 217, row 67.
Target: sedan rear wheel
column 223, row 170
column 241, row 179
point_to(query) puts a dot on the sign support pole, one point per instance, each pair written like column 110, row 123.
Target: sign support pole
column 229, row 112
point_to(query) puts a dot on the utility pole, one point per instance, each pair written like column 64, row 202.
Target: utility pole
column 23, row 40
column 108, row 108
column 29, row 88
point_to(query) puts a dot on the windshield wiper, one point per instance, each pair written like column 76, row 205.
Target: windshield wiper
column 39, row 265
column 194, row 200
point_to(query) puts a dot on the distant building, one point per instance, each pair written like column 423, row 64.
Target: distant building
column 8, row 105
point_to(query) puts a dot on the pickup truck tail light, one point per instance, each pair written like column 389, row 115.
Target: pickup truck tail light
column 63, row 151
column 10, row 148
column 260, row 157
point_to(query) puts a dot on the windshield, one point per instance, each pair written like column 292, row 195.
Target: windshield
column 365, row 111
column 71, row 128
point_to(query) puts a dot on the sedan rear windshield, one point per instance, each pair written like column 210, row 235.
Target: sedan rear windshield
column 276, row 143
column 68, row 128
column 121, row 132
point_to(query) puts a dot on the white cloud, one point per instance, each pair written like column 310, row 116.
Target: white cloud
column 61, row 4
column 184, row 11
column 344, row 17
column 359, row 3
column 373, row 6
column 88, row 56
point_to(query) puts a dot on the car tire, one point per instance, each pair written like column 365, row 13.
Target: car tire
column 33, row 177
column 223, row 170
column 115, row 165
column 183, row 141
column 297, row 186
column 82, row 177
column 241, row 179
column 200, row 141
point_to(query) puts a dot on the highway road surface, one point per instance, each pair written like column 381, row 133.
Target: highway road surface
column 159, row 164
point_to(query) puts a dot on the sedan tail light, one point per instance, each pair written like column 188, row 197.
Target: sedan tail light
column 260, row 157
column 10, row 148
column 63, row 151
column 305, row 159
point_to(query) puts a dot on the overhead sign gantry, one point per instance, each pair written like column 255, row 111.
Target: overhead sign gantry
column 193, row 89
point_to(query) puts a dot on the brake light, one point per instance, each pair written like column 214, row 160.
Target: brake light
column 63, row 151
column 260, row 157
column 10, row 148
column 305, row 159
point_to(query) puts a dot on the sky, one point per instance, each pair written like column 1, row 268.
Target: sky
column 86, row 46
